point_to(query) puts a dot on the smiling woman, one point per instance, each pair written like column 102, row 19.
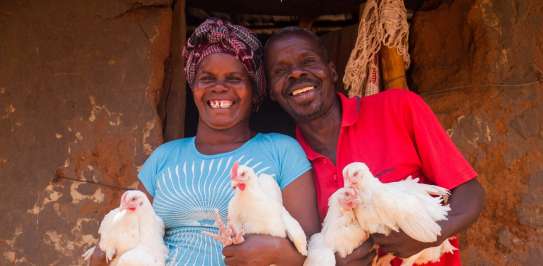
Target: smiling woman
column 189, row 178
column 222, row 92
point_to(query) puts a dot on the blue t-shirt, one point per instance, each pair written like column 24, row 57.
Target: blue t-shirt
column 189, row 186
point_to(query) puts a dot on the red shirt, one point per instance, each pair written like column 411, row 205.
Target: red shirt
column 397, row 135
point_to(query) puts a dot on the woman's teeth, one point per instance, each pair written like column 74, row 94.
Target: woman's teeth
column 220, row 104
column 302, row 90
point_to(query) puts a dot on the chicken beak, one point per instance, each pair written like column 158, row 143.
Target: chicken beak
column 240, row 185
column 132, row 206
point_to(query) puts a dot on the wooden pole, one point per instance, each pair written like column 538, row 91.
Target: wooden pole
column 306, row 22
column 392, row 68
column 391, row 64
column 175, row 100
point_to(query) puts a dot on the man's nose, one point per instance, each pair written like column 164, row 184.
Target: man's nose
column 297, row 73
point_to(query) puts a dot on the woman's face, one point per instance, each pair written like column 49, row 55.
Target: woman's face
column 222, row 92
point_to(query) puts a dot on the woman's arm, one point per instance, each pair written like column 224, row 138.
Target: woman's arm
column 142, row 188
column 98, row 257
column 300, row 200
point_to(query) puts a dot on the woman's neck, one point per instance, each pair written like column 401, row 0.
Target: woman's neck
column 213, row 141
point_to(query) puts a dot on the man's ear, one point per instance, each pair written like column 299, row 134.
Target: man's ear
column 333, row 71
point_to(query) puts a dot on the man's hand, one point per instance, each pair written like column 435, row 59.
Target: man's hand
column 362, row 255
column 400, row 244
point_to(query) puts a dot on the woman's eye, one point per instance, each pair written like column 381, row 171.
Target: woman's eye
column 234, row 79
column 206, row 79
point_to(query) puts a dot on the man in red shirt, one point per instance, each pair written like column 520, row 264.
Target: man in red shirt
column 394, row 132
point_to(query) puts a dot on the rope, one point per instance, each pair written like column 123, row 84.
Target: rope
column 381, row 22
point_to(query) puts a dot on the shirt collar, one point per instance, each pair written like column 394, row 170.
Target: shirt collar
column 311, row 154
column 349, row 115
column 349, row 110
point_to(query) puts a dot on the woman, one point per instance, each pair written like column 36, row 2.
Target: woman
column 188, row 178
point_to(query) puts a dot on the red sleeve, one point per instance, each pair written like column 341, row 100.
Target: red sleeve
column 442, row 163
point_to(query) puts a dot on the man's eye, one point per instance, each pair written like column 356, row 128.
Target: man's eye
column 308, row 61
column 279, row 71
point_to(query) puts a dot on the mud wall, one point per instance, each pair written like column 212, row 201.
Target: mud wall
column 80, row 84
column 478, row 63
column 79, row 87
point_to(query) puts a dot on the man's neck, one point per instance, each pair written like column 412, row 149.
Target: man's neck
column 322, row 133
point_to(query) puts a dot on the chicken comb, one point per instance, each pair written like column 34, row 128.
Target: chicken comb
column 234, row 172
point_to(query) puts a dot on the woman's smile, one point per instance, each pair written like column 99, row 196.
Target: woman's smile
column 220, row 104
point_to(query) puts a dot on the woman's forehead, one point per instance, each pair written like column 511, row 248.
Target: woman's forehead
column 221, row 62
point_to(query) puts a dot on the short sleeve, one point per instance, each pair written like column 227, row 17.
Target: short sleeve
column 442, row 162
column 149, row 170
column 291, row 159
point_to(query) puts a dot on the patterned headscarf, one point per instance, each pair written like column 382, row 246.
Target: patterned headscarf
column 218, row 36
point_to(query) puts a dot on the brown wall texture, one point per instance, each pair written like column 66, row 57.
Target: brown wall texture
column 79, row 85
column 478, row 63
column 80, row 82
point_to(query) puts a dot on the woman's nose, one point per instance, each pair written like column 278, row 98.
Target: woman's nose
column 219, row 86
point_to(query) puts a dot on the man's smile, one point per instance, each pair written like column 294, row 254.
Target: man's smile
column 302, row 90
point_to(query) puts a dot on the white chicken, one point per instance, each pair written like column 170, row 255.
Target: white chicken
column 132, row 233
column 341, row 233
column 257, row 208
column 405, row 205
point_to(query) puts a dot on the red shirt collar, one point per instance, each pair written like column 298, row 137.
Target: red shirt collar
column 349, row 115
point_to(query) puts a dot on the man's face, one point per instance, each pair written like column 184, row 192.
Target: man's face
column 300, row 78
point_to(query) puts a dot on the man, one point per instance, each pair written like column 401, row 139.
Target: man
column 394, row 132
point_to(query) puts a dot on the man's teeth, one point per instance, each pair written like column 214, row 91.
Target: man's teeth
column 220, row 104
column 302, row 90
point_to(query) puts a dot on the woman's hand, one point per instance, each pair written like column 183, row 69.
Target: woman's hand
column 262, row 250
column 361, row 256
column 98, row 258
column 227, row 234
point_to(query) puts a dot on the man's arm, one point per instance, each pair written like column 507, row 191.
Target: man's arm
column 466, row 203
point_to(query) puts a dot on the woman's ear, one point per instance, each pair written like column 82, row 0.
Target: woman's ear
column 255, row 104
